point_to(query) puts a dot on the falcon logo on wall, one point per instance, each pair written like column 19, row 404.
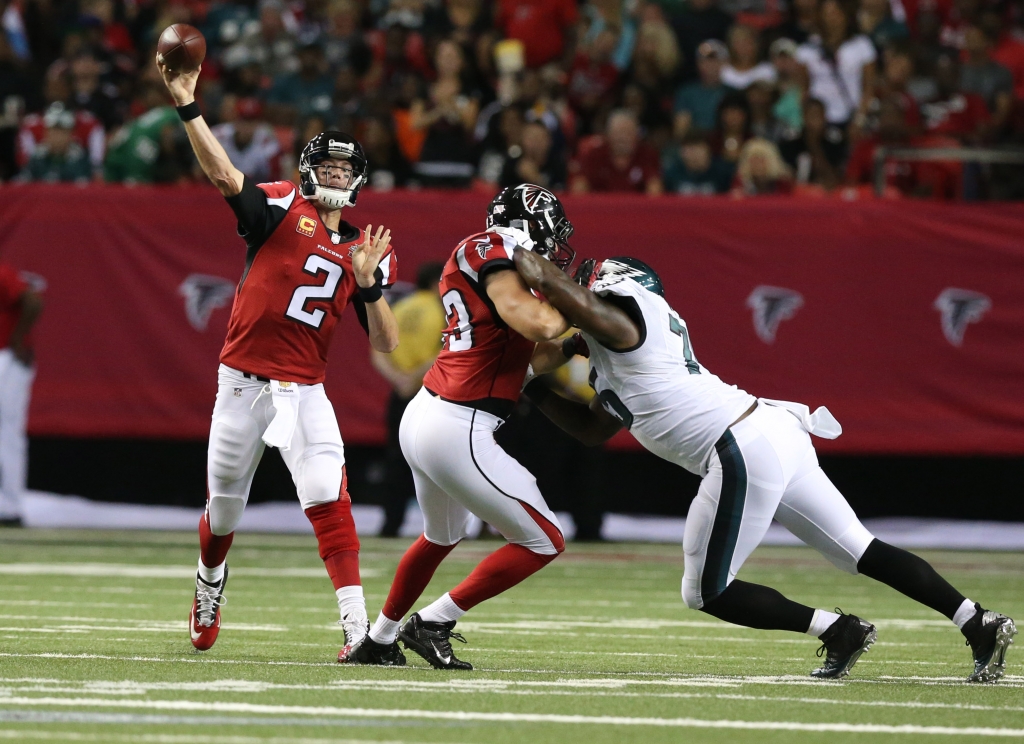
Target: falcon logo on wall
column 960, row 307
column 203, row 294
column 771, row 306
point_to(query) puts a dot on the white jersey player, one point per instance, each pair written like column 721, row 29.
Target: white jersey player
column 756, row 460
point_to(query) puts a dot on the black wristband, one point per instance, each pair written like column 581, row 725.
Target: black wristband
column 189, row 111
column 371, row 294
column 536, row 391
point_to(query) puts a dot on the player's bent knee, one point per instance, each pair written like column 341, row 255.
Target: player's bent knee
column 849, row 548
column 224, row 513
column 234, row 440
column 322, row 478
column 691, row 593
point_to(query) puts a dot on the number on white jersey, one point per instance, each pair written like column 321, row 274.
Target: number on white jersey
column 315, row 265
column 678, row 327
column 458, row 336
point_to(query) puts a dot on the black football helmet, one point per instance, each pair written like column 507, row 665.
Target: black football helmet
column 537, row 212
column 594, row 274
column 325, row 145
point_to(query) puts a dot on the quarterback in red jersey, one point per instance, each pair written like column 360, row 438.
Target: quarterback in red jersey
column 303, row 266
column 497, row 329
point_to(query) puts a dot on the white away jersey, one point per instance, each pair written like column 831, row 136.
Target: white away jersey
column 669, row 402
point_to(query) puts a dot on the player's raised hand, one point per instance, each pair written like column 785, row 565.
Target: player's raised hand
column 182, row 85
column 366, row 257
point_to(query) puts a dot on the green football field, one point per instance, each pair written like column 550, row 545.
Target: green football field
column 598, row 647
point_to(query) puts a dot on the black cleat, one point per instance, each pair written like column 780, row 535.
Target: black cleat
column 432, row 642
column 11, row 522
column 989, row 635
column 376, row 654
column 844, row 641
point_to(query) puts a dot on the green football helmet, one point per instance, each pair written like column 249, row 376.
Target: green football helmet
column 592, row 273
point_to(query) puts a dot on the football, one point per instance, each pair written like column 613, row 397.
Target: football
column 181, row 47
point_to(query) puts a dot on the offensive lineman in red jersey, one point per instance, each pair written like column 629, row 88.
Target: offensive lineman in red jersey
column 497, row 329
column 304, row 264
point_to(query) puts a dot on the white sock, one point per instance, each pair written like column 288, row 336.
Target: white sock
column 441, row 610
column 966, row 611
column 350, row 599
column 821, row 621
column 211, row 575
column 385, row 630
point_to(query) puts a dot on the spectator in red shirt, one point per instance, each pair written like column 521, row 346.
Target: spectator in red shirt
column 1008, row 51
column 593, row 77
column 937, row 180
column 544, row 26
column 619, row 161
column 953, row 113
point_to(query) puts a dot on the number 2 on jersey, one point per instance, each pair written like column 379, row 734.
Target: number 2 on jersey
column 678, row 327
column 458, row 335
column 314, row 265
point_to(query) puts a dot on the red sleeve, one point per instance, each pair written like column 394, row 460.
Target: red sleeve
column 483, row 253
column 12, row 286
column 388, row 268
column 567, row 12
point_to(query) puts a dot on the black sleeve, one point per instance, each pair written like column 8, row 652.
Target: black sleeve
column 257, row 217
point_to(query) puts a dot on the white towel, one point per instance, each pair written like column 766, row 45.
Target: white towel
column 285, row 396
column 821, row 423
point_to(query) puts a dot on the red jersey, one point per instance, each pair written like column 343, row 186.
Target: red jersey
column 88, row 133
column 12, row 287
column 297, row 282
column 482, row 361
column 960, row 115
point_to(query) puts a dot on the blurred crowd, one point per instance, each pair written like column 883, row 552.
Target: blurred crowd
column 691, row 97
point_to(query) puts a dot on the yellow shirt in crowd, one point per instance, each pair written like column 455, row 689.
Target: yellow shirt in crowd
column 421, row 321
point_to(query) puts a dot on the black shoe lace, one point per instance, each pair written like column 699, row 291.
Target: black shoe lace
column 458, row 637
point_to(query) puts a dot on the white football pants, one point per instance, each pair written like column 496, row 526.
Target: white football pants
column 459, row 470
column 764, row 467
column 241, row 415
column 15, row 392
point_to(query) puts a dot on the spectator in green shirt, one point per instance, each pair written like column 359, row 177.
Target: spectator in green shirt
column 144, row 150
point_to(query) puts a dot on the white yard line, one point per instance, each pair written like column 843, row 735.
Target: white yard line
column 501, row 717
column 562, row 687
column 23, row 735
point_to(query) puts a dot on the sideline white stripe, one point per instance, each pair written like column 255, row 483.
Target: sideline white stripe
column 122, row 570
column 454, row 715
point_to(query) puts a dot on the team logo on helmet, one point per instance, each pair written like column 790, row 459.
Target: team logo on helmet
column 771, row 306
column 534, row 197
column 960, row 307
column 203, row 294
column 611, row 272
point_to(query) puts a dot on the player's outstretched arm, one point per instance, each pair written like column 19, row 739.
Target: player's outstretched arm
column 533, row 318
column 381, row 325
column 584, row 309
column 211, row 155
column 590, row 424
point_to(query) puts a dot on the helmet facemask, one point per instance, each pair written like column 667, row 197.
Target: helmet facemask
column 324, row 147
